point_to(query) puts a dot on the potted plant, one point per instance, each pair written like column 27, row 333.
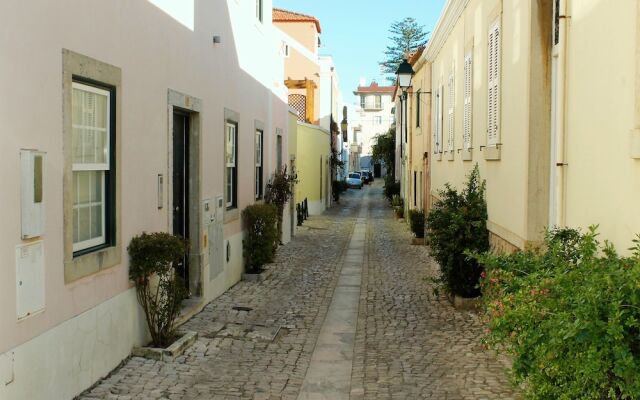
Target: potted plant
column 261, row 239
column 456, row 225
column 398, row 205
column 152, row 261
column 417, row 218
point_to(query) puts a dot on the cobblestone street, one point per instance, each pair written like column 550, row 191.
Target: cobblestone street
column 257, row 341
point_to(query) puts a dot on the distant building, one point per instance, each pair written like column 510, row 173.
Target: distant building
column 375, row 115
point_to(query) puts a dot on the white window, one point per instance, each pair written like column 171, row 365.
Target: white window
column 231, row 163
column 378, row 101
column 468, row 108
column 377, row 120
column 363, row 101
column 91, row 156
column 493, row 87
column 259, row 156
column 452, row 103
column 437, row 125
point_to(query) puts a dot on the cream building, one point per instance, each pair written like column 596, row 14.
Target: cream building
column 544, row 97
column 112, row 127
column 373, row 114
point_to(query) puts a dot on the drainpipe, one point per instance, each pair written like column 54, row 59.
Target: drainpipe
column 562, row 52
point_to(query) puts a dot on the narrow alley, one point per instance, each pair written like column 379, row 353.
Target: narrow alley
column 346, row 311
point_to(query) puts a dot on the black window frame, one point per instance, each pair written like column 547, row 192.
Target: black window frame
column 234, row 187
column 260, row 170
column 110, row 175
column 418, row 114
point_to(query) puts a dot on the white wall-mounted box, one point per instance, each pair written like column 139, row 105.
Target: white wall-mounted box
column 29, row 279
column 32, row 193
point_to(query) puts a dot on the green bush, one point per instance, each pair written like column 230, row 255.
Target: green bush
column 261, row 240
column 569, row 315
column 279, row 192
column 397, row 203
column 391, row 187
column 160, row 292
column 417, row 219
column 456, row 225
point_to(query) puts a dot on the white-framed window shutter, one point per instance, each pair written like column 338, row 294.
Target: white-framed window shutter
column 468, row 93
column 451, row 113
column 493, row 87
column 439, row 138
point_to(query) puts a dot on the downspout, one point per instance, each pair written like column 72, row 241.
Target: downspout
column 561, row 121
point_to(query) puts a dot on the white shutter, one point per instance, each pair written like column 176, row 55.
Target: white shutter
column 434, row 117
column 440, row 120
column 493, row 98
column 468, row 109
column 451, row 121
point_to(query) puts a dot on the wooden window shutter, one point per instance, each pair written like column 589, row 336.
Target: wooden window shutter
column 451, row 120
column 468, row 108
column 493, row 99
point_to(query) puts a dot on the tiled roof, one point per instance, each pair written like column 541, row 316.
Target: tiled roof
column 374, row 88
column 415, row 56
column 280, row 15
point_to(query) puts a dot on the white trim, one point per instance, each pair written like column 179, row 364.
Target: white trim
column 451, row 12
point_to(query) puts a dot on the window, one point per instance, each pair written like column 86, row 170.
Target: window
column 259, row 168
column 378, row 101
column 451, row 121
column 279, row 152
column 231, row 163
column 493, row 87
column 418, row 104
column 468, row 108
column 437, row 131
column 363, row 101
column 377, row 120
column 285, row 49
column 92, row 159
column 259, row 10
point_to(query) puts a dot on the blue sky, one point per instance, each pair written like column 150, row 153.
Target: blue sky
column 355, row 32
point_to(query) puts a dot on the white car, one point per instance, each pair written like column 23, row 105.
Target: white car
column 354, row 180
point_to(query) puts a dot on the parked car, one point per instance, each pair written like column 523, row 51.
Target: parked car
column 354, row 180
column 366, row 177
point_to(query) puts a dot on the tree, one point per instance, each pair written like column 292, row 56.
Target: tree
column 406, row 36
column 384, row 150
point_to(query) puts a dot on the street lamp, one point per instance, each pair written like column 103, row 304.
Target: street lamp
column 404, row 73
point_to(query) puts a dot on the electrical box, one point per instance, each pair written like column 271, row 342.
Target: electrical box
column 29, row 279
column 32, row 193
column 216, row 238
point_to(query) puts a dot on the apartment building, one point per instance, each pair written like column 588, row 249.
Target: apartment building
column 115, row 127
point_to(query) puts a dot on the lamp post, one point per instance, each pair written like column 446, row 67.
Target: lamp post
column 404, row 73
column 344, row 126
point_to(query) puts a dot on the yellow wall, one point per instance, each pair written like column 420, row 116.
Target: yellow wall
column 419, row 141
column 313, row 149
column 514, row 203
column 603, row 180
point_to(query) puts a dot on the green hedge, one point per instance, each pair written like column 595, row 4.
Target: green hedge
column 456, row 225
column 569, row 315
column 261, row 240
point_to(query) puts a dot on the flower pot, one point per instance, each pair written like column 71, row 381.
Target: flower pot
column 184, row 341
column 465, row 303
column 417, row 241
column 253, row 277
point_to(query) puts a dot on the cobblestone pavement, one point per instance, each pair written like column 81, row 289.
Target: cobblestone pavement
column 234, row 356
column 256, row 340
column 411, row 344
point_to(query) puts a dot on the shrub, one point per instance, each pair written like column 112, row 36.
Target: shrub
column 455, row 225
column 261, row 240
column 569, row 315
column 417, row 223
column 154, row 255
column 398, row 205
column 391, row 187
column 279, row 192
column 337, row 188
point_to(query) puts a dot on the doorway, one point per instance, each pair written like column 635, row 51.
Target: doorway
column 180, row 184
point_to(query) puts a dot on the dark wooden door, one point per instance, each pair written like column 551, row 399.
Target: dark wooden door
column 181, row 186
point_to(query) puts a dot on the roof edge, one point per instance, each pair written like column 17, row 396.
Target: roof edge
column 451, row 12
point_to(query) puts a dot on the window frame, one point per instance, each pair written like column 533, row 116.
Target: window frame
column 467, row 119
column 418, row 114
column 377, row 101
column 259, row 164
column 363, row 101
column 108, row 238
column 232, row 202
column 494, row 70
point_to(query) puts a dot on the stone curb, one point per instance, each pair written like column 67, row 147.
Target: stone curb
column 170, row 353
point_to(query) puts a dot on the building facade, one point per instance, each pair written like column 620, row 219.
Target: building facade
column 121, row 146
column 513, row 87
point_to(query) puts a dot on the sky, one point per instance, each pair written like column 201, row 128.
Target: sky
column 355, row 32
